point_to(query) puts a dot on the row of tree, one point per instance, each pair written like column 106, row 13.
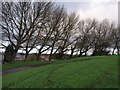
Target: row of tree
column 47, row 26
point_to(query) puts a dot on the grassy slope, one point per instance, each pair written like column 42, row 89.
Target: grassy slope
column 22, row 64
column 87, row 72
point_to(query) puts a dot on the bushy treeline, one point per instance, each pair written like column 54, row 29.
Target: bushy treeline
column 48, row 27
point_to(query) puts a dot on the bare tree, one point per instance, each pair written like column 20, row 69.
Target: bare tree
column 46, row 26
column 57, row 23
column 85, row 35
column 115, row 39
column 49, row 27
column 73, row 47
column 30, row 44
column 33, row 40
column 102, row 34
column 20, row 19
column 69, row 28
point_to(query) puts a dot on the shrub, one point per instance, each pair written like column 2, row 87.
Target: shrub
column 9, row 53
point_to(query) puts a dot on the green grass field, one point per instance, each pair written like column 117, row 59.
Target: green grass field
column 84, row 72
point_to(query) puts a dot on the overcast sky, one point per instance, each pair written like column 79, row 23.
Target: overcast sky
column 99, row 9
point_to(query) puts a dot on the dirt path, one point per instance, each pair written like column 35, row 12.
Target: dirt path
column 5, row 72
column 17, row 69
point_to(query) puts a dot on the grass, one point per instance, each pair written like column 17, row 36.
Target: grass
column 85, row 72
column 28, row 63
column 22, row 64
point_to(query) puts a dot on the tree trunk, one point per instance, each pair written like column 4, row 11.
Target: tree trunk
column 72, row 51
column 80, row 54
column 118, row 51
column 50, row 56
column 61, row 55
column 85, row 53
column 26, row 55
column 38, row 55
column 94, row 52
column 14, row 55
column 113, row 50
